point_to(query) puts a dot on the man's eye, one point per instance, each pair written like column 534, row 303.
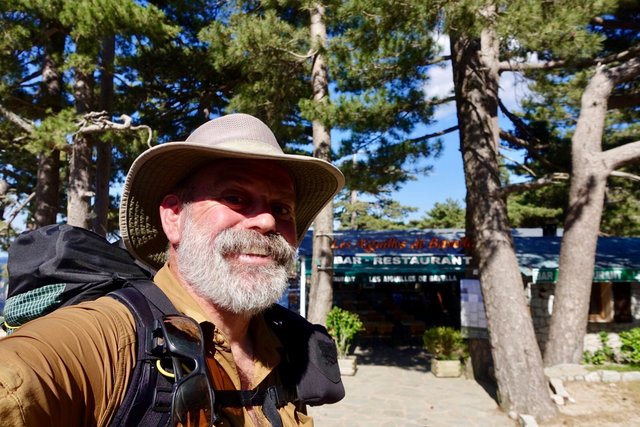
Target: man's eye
column 282, row 211
column 234, row 201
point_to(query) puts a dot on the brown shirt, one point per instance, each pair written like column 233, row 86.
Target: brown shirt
column 72, row 367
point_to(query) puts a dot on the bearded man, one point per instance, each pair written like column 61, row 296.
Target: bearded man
column 219, row 216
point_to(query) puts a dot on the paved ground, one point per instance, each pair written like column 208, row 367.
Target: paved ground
column 393, row 387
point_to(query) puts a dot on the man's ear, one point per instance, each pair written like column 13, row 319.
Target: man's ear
column 170, row 210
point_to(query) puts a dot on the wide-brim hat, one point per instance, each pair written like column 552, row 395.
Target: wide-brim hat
column 157, row 171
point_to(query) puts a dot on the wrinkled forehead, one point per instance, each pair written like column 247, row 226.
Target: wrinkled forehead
column 241, row 171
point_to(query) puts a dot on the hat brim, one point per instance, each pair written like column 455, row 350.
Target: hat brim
column 157, row 171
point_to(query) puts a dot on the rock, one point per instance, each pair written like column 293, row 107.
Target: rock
column 631, row 376
column 611, row 376
column 558, row 388
column 527, row 421
column 592, row 377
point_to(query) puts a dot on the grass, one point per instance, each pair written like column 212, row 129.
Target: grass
column 614, row 367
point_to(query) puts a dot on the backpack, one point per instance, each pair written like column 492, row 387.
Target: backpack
column 61, row 265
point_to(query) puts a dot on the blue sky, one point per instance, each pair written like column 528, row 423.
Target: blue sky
column 447, row 177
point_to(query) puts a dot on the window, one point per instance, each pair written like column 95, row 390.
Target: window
column 610, row 302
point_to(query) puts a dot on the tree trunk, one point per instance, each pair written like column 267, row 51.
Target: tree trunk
column 517, row 359
column 79, row 193
column 103, row 148
column 47, row 188
column 353, row 199
column 47, row 200
column 590, row 169
column 321, row 293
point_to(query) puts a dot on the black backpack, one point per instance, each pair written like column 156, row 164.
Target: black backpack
column 61, row 265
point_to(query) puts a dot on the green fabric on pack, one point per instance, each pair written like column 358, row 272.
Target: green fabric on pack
column 21, row 308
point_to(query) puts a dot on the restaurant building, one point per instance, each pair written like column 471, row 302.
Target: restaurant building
column 401, row 282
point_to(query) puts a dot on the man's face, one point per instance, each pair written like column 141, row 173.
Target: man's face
column 238, row 233
column 244, row 194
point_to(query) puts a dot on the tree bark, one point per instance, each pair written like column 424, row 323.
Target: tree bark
column 103, row 148
column 79, row 192
column 47, row 199
column 590, row 169
column 518, row 363
column 321, row 292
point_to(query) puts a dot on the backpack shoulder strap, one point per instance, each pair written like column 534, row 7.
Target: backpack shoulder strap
column 148, row 398
column 311, row 357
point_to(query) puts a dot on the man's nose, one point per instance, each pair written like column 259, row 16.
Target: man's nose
column 261, row 219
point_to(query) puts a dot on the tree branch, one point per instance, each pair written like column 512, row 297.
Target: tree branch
column 434, row 135
column 441, row 101
column 97, row 122
column 623, row 101
column 522, row 143
column 438, row 60
column 531, row 150
column 522, row 126
column 553, row 178
column 301, row 58
column 523, row 166
column 23, row 124
column 627, row 175
column 630, row 53
column 623, row 155
column 17, row 210
column 625, row 71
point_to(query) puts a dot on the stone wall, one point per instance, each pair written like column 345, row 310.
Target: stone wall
column 541, row 297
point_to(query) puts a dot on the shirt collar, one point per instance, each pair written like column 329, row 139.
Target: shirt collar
column 266, row 345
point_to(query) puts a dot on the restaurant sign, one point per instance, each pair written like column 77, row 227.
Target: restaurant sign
column 376, row 279
column 401, row 262
column 550, row 275
column 392, row 257
column 414, row 243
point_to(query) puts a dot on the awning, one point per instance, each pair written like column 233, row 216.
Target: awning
column 550, row 275
column 433, row 256
column 617, row 259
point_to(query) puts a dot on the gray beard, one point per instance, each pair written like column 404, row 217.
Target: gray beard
column 230, row 285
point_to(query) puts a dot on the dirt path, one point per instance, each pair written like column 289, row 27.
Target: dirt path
column 600, row 404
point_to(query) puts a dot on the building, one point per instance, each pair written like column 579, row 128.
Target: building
column 401, row 282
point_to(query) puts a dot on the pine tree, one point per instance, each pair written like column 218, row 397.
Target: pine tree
column 63, row 36
column 581, row 124
column 489, row 38
column 449, row 214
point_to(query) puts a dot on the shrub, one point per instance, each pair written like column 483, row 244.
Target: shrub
column 445, row 343
column 630, row 347
column 343, row 325
column 604, row 354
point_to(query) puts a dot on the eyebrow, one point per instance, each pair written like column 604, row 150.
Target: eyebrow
column 280, row 191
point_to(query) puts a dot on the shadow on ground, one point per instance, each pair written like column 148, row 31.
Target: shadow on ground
column 409, row 357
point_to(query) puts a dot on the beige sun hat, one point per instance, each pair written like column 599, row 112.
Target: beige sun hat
column 157, row 171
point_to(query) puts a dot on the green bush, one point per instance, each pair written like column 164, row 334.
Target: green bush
column 445, row 343
column 630, row 348
column 602, row 355
column 343, row 325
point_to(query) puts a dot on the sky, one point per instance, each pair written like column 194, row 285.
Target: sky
column 446, row 179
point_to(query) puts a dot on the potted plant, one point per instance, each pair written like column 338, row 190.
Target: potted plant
column 448, row 350
column 343, row 325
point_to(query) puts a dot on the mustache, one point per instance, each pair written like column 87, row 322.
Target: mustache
column 230, row 241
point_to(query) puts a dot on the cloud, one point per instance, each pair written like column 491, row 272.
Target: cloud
column 440, row 81
column 513, row 89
